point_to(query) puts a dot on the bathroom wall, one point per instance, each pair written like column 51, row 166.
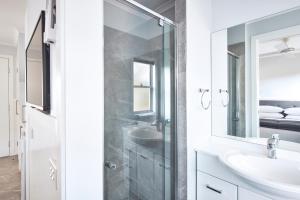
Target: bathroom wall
column 233, row 12
column 180, row 19
column 219, row 63
column 198, row 70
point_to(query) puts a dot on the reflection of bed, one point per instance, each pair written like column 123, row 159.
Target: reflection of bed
column 284, row 124
column 287, row 128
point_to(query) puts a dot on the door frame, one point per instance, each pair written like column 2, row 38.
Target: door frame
column 11, row 114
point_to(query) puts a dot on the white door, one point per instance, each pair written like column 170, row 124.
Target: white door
column 4, row 105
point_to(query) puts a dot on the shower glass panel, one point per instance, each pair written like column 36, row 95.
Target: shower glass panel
column 139, row 127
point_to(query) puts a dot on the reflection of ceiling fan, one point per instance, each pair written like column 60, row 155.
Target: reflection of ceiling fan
column 284, row 47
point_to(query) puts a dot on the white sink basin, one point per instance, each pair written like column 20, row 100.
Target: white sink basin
column 146, row 135
column 278, row 176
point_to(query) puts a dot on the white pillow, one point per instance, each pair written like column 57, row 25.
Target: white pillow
column 270, row 115
column 293, row 117
column 292, row 111
column 270, row 109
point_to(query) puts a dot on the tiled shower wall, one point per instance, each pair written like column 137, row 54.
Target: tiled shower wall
column 180, row 19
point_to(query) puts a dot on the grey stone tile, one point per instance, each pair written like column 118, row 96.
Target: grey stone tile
column 180, row 18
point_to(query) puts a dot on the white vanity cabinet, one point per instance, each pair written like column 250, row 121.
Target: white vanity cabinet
column 216, row 182
column 146, row 171
column 212, row 188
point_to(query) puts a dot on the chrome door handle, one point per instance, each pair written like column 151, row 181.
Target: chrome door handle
column 110, row 165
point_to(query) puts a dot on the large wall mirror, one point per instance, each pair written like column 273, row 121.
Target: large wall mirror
column 256, row 79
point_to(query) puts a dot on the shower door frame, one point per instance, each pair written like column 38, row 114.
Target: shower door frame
column 174, row 86
column 148, row 11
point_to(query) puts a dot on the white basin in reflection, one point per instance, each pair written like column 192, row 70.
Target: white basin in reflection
column 278, row 176
column 146, row 135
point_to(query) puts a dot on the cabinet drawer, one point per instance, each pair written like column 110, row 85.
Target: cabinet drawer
column 211, row 188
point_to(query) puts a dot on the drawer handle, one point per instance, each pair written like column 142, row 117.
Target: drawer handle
column 213, row 189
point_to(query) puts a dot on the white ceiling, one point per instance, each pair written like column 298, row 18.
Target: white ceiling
column 275, row 46
column 12, row 19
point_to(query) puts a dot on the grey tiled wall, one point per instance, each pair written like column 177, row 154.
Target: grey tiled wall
column 180, row 18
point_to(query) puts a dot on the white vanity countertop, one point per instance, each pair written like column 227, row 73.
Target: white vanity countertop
column 220, row 148
column 216, row 146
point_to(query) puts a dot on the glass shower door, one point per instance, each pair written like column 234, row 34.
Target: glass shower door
column 139, row 127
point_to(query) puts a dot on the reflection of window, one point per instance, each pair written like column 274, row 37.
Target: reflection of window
column 143, row 86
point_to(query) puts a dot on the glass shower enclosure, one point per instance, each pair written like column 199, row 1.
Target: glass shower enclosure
column 140, row 103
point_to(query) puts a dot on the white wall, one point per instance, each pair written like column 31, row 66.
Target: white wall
column 198, row 19
column 83, row 90
column 48, row 142
column 279, row 78
column 227, row 13
column 219, row 81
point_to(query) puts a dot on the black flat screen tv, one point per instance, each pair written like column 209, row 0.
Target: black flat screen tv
column 38, row 68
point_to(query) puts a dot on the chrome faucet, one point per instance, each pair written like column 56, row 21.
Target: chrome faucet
column 272, row 146
column 158, row 125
